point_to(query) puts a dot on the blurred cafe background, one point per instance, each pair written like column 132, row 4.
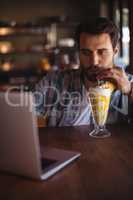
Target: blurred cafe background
column 38, row 36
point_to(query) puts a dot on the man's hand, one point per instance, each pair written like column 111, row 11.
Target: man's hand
column 117, row 76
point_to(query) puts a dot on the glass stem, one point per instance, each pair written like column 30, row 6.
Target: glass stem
column 100, row 127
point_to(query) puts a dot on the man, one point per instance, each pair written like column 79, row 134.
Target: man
column 61, row 96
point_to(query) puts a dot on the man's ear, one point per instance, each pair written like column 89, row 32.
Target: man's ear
column 116, row 50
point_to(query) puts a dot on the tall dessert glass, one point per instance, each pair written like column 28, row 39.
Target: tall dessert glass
column 99, row 98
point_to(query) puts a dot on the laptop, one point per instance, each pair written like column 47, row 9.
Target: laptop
column 20, row 151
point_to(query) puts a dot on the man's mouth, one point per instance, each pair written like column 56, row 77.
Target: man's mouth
column 91, row 72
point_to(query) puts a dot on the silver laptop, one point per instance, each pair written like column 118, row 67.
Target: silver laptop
column 20, row 152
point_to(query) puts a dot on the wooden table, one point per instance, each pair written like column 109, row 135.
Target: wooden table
column 104, row 171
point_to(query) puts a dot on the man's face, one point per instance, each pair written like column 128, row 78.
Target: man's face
column 96, row 51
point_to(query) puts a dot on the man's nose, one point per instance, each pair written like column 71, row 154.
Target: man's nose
column 94, row 59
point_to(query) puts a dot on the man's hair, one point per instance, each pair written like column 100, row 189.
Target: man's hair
column 98, row 26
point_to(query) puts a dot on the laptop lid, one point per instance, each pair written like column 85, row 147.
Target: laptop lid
column 19, row 145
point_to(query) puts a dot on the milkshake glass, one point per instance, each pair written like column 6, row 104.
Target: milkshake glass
column 99, row 99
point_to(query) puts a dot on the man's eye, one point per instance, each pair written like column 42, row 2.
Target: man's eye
column 103, row 52
column 85, row 52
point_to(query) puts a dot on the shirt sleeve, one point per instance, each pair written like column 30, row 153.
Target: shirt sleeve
column 120, row 101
